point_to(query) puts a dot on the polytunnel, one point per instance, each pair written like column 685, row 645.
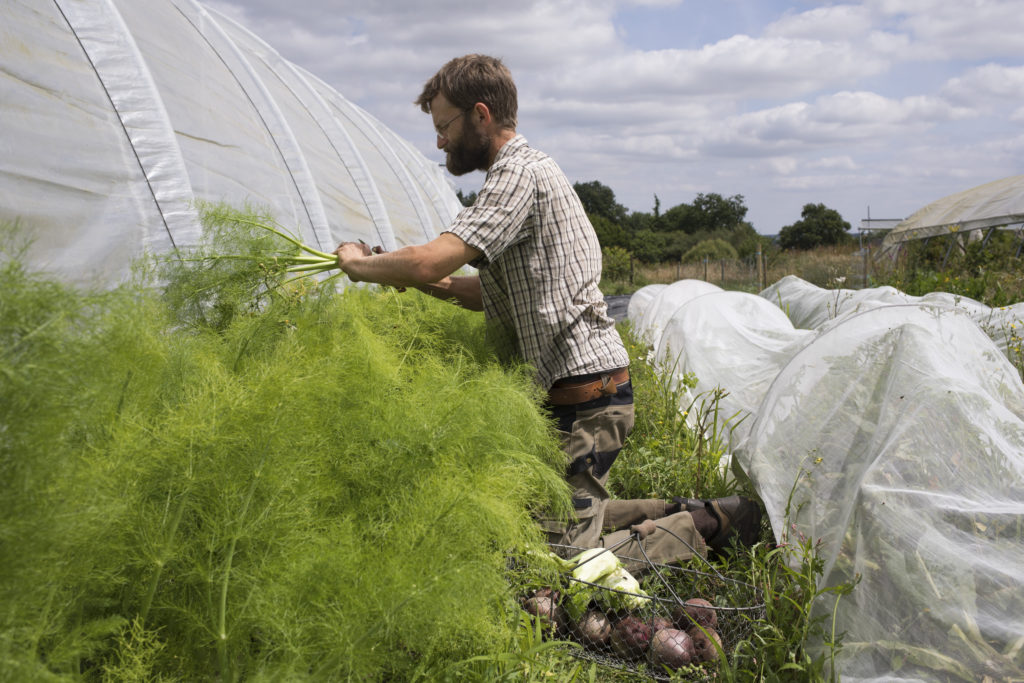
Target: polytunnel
column 998, row 204
column 119, row 116
column 886, row 431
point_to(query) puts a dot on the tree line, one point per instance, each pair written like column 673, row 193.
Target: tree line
column 712, row 226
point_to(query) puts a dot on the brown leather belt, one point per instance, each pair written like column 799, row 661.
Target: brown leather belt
column 565, row 394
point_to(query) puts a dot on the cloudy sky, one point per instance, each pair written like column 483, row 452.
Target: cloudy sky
column 878, row 106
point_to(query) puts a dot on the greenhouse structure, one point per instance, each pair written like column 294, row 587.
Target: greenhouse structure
column 968, row 215
column 120, row 116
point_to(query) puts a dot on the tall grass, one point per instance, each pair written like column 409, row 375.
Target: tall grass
column 828, row 267
column 986, row 271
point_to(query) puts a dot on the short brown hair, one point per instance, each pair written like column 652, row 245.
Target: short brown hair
column 464, row 81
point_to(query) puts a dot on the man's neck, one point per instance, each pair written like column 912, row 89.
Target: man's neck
column 497, row 142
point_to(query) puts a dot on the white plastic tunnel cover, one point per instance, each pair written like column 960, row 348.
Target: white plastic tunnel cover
column 117, row 115
column 890, row 437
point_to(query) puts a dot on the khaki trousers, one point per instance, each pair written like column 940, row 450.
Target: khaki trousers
column 592, row 436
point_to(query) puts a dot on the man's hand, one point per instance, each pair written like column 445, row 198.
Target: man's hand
column 347, row 251
column 643, row 529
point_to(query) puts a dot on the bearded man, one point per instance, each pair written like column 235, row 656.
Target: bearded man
column 539, row 263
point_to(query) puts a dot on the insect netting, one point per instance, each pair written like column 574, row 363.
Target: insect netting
column 891, row 434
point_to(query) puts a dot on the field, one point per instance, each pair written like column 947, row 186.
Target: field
column 228, row 477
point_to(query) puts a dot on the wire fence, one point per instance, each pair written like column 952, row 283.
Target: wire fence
column 845, row 268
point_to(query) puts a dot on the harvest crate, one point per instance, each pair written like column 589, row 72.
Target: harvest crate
column 628, row 638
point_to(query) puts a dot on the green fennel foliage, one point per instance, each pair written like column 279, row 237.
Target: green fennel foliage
column 313, row 486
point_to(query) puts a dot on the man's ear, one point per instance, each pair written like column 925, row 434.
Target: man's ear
column 482, row 113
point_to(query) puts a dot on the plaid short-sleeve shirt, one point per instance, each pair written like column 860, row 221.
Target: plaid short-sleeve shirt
column 540, row 267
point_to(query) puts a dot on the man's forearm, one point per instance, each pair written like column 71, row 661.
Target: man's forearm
column 463, row 290
column 427, row 267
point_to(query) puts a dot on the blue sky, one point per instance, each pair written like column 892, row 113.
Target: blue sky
column 880, row 105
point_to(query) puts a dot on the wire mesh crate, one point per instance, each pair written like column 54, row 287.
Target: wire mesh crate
column 677, row 626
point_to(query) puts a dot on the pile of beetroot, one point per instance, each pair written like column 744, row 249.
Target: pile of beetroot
column 676, row 638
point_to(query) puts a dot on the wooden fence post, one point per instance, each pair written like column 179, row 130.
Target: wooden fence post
column 866, row 250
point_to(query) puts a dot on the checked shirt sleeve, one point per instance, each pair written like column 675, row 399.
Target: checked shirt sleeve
column 498, row 218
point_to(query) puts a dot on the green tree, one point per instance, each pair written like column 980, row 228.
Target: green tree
column 818, row 226
column 615, row 263
column 712, row 211
column 678, row 219
column 609, row 234
column 466, row 199
column 708, row 213
column 599, row 200
column 746, row 240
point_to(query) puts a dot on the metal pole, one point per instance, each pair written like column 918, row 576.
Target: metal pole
column 984, row 242
column 952, row 241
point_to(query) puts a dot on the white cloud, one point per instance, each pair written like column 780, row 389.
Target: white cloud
column 843, row 103
column 832, row 120
column 783, row 165
column 734, row 68
column 654, row 3
column 985, row 83
column 843, row 162
column 942, row 30
column 841, row 23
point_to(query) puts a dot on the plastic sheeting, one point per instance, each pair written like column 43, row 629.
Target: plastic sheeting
column 892, row 437
column 996, row 204
column 809, row 306
column 117, row 115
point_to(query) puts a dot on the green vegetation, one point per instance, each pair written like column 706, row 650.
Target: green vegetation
column 988, row 271
column 323, row 488
column 658, row 237
column 241, row 478
column 819, row 226
column 713, row 249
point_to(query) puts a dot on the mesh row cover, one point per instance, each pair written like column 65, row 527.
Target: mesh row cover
column 118, row 115
column 809, row 306
column 891, row 437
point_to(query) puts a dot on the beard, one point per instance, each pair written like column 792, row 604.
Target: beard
column 470, row 153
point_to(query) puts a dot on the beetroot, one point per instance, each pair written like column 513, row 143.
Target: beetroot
column 658, row 623
column 695, row 611
column 704, row 643
column 672, row 648
column 631, row 637
column 544, row 608
column 594, row 629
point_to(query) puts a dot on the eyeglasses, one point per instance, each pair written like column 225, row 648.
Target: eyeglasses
column 440, row 130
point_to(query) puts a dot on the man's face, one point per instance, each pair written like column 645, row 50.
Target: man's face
column 465, row 143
